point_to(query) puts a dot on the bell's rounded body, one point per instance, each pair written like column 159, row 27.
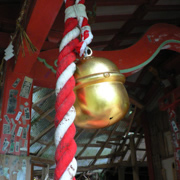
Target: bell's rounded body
column 101, row 98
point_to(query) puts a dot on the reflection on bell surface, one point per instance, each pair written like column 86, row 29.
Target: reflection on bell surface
column 101, row 98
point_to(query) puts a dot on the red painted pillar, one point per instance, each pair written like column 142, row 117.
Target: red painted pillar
column 15, row 113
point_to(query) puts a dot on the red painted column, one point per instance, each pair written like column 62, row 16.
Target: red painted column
column 17, row 94
column 15, row 122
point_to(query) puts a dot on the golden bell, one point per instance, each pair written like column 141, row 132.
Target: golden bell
column 101, row 98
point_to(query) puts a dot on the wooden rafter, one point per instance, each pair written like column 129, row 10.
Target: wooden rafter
column 43, row 98
column 42, row 134
column 127, row 148
column 85, row 169
column 45, row 114
column 110, row 165
column 150, row 22
column 45, row 149
column 164, row 8
column 90, row 140
column 144, row 157
column 127, row 27
column 133, row 158
column 41, row 112
column 100, row 157
column 113, row 18
column 36, row 89
column 120, row 3
column 93, row 145
column 103, row 146
column 78, row 134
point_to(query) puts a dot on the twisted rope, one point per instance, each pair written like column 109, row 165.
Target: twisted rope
column 66, row 165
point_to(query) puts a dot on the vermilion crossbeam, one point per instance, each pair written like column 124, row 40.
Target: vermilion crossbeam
column 129, row 61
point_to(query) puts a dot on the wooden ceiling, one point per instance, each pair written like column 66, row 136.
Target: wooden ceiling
column 116, row 24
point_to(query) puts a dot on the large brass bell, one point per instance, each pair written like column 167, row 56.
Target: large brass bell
column 101, row 98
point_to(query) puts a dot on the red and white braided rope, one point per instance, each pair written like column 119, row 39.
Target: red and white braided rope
column 65, row 131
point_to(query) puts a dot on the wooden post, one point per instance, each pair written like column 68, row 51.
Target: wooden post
column 147, row 135
column 133, row 159
column 121, row 173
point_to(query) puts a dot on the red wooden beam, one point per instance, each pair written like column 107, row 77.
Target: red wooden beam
column 55, row 36
column 104, row 32
column 119, row 3
column 49, row 45
column 41, row 20
column 164, row 8
column 128, row 60
column 155, row 21
column 112, row 18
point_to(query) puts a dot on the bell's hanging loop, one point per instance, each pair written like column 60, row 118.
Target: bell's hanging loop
column 88, row 51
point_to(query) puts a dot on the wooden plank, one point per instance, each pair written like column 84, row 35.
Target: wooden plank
column 42, row 134
column 43, row 114
column 45, row 173
column 120, row 3
column 115, row 133
column 148, row 136
column 99, row 44
column 45, row 149
column 131, row 121
column 40, row 160
column 133, row 159
column 32, row 171
column 102, row 166
column 43, row 98
column 80, row 131
column 136, row 103
column 144, row 157
column 139, row 138
column 100, row 157
column 94, row 135
column 40, row 111
column 127, row 27
column 121, row 148
column 103, row 146
column 155, row 21
column 104, row 32
column 49, row 45
column 121, row 173
column 113, row 18
column 36, row 89
column 164, row 8
column 93, row 145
